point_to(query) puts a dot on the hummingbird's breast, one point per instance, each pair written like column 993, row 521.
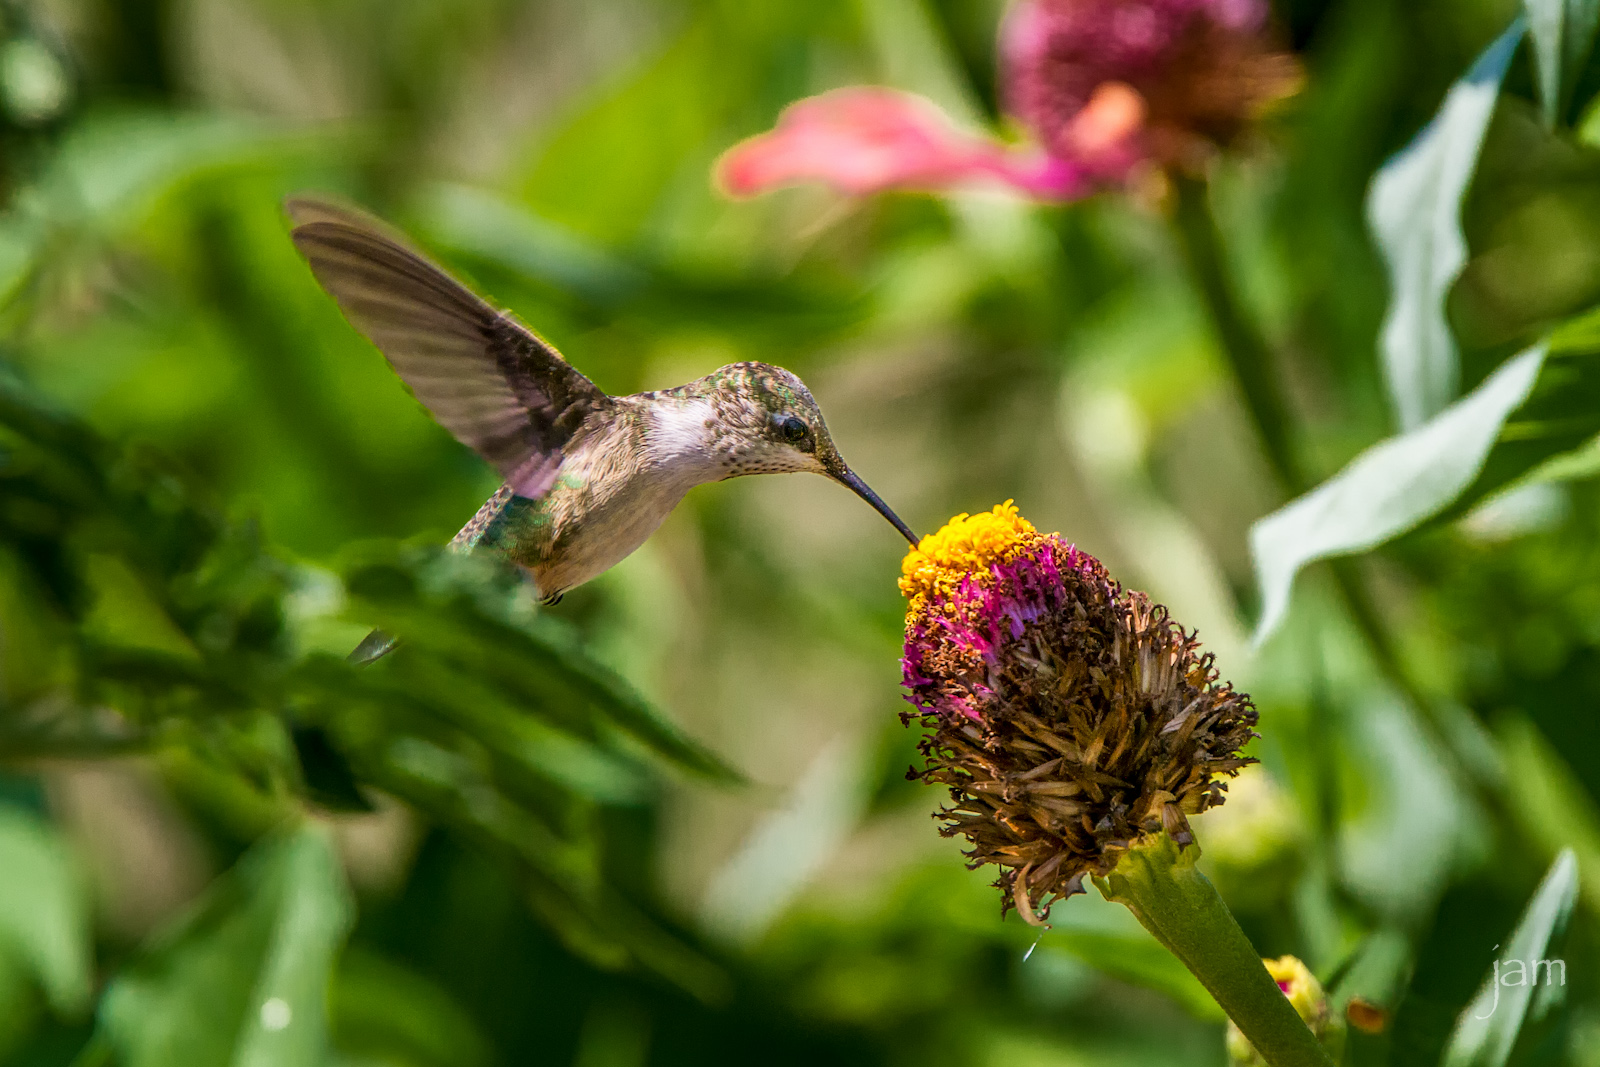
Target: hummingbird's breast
column 617, row 484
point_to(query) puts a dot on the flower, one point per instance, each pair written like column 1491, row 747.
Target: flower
column 1107, row 89
column 1068, row 717
column 967, row 543
column 1310, row 1003
column 1201, row 69
column 865, row 140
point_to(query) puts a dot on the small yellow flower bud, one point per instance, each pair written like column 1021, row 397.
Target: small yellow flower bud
column 1310, row 1003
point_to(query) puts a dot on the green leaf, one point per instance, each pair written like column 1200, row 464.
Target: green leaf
column 18, row 245
column 481, row 224
column 1414, row 209
column 1549, row 437
column 469, row 614
column 383, row 1013
column 44, row 910
column 19, row 1006
column 243, row 981
column 1563, row 34
column 1388, row 489
column 112, row 166
column 913, row 54
column 603, row 172
column 630, row 711
column 1550, row 802
column 1513, row 998
column 505, row 728
column 1142, row 961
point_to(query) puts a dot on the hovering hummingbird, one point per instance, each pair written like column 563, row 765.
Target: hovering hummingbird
column 588, row 476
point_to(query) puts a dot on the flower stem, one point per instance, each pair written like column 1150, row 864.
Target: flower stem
column 1183, row 910
column 1246, row 350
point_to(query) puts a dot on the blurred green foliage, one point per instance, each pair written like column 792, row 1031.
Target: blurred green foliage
column 511, row 841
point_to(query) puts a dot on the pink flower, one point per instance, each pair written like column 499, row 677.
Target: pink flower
column 1203, row 69
column 867, row 139
column 1107, row 88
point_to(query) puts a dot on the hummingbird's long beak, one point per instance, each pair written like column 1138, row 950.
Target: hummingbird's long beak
column 864, row 491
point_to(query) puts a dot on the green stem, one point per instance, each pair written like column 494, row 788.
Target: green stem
column 1183, row 910
column 1246, row 351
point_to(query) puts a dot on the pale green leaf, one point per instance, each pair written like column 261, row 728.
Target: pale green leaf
column 1388, row 489
column 1414, row 209
column 602, row 174
column 1562, row 33
column 243, row 982
column 44, row 910
column 1527, row 981
column 383, row 1013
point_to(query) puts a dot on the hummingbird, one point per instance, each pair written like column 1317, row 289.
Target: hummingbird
column 587, row 476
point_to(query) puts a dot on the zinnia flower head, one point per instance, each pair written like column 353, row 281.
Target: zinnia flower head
column 1068, row 716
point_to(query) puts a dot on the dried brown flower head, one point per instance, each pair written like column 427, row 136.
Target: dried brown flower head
column 1068, row 716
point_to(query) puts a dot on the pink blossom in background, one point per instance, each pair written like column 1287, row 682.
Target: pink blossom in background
column 864, row 140
column 1108, row 89
column 1203, row 69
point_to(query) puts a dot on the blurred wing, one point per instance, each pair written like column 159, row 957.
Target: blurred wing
column 484, row 376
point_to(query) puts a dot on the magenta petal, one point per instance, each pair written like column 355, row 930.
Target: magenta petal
column 864, row 140
column 1044, row 177
column 1111, row 85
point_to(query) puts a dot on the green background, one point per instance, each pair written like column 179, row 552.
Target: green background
column 667, row 821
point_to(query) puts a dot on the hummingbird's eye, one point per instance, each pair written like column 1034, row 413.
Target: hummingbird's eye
column 793, row 429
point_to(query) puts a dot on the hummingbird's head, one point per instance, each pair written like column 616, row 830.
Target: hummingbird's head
column 780, row 429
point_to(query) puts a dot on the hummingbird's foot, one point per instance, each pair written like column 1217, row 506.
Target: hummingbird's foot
column 553, row 599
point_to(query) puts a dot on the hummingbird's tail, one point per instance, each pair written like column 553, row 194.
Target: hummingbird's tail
column 374, row 646
column 378, row 644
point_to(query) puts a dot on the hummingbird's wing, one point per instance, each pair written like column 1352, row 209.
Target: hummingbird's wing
column 484, row 376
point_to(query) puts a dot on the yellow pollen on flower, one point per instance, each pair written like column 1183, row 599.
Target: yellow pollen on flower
column 966, row 544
